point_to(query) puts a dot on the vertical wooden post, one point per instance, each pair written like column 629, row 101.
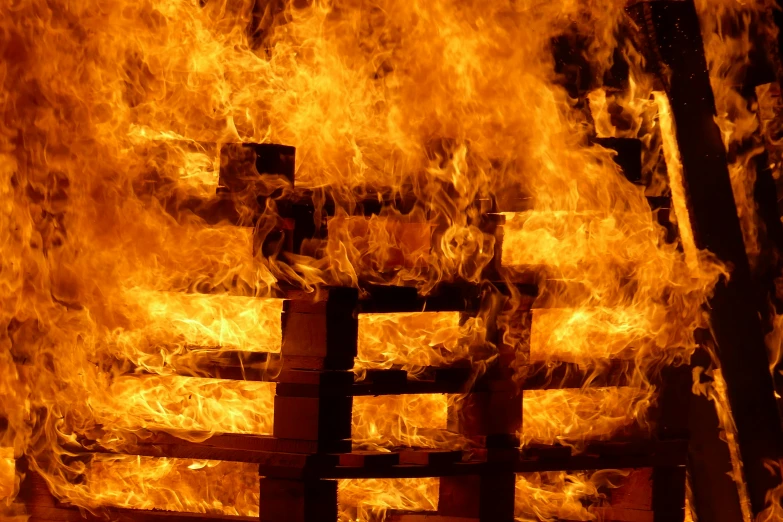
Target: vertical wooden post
column 675, row 45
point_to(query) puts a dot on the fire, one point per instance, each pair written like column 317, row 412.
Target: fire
column 378, row 243
column 716, row 392
column 186, row 404
column 589, row 333
column 183, row 485
column 412, row 340
column 402, row 420
column 370, row 499
column 575, row 417
column 113, row 118
column 7, row 473
column 560, row 495
column 200, row 320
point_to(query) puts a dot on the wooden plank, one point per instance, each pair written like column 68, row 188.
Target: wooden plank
column 614, row 514
column 312, row 418
column 430, row 457
column 298, row 500
column 673, row 35
column 489, row 498
column 427, row 517
column 369, row 459
column 243, row 165
column 715, row 494
column 635, row 492
column 321, row 331
column 63, row 514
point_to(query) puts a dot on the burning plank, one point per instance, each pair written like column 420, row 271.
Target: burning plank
column 186, row 404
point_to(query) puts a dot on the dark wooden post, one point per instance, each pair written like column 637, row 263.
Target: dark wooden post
column 675, row 45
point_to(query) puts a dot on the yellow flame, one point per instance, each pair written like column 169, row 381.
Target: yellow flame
column 7, row 473
column 674, row 168
column 560, row 495
column 183, row 485
column 412, row 340
column 575, row 417
column 363, row 500
column 402, row 420
column 186, row 404
column 201, row 320
column 588, row 333
column 448, row 102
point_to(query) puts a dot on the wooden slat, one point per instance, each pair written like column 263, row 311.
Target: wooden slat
column 676, row 48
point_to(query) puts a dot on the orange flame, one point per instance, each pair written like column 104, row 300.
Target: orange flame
column 575, row 417
column 402, row 420
column 370, row 499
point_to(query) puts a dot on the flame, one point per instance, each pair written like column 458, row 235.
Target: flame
column 225, row 321
column 412, row 340
column 185, row 405
column 402, row 420
column 575, row 417
column 379, row 244
column 363, row 500
column 111, row 111
column 560, row 495
column 716, row 392
column 7, row 473
column 183, row 485
column 588, row 333
column 674, row 168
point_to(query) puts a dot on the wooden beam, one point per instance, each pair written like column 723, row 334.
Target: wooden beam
column 675, row 45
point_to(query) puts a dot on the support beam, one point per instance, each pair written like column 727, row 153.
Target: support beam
column 674, row 44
